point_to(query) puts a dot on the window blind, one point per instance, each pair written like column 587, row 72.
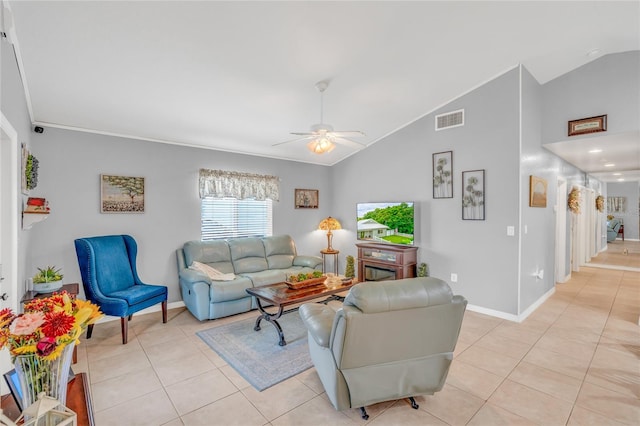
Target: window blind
column 232, row 218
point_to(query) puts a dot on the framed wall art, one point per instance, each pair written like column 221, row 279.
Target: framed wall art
column 121, row 194
column 537, row 192
column 473, row 195
column 588, row 125
column 306, row 198
column 443, row 174
column 29, row 175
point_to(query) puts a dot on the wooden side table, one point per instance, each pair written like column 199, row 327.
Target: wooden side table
column 72, row 289
column 621, row 231
column 333, row 253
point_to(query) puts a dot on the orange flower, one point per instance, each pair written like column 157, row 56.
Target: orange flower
column 57, row 324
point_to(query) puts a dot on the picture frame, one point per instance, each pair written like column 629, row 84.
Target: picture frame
column 13, row 381
column 473, row 194
column 29, row 170
column 537, row 191
column 588, row 125
column 121, row 194
column 306, row 198
column 443, row 174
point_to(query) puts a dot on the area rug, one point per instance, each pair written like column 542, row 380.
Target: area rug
column 256, row 355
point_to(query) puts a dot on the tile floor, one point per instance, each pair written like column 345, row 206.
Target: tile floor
column 619, row 254
column 574, row 361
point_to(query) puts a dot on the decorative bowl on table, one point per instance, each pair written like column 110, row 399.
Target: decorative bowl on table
column 49, row 287
column 303, row 280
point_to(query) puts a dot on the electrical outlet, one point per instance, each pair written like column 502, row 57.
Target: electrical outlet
column 511, row 231
column 454, row 278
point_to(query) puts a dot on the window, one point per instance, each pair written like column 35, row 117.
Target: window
column 232, row 218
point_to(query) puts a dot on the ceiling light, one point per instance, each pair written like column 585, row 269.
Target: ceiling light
column 609, row 165
column 321, row 145
column 620, row 180
column 617, row 174
column 595, row 151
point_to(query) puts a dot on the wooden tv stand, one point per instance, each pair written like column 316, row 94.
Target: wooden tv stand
column 379, row 261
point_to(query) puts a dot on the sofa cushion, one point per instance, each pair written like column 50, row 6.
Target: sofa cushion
column 266, row 277
column 247, row 255
column 213, row 253
column 223, row 291
column 280, row 251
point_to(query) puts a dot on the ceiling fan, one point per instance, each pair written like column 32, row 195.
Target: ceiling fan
column 322, row 136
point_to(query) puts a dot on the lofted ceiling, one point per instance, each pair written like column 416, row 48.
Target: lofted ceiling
column 240, row 76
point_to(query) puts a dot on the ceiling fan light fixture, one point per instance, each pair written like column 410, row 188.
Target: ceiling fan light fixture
column 321, row 145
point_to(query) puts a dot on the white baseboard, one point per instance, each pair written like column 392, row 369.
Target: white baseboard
column 149, row 310
column 512, row 317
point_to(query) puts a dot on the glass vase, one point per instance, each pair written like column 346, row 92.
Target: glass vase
column 38, row 375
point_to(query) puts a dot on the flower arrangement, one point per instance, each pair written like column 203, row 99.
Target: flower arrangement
column 47, row 325
column 574, row 200
column 600, row 203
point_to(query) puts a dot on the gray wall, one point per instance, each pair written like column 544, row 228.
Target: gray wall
column 630, row 216
column 609, row 85
column 70, row 167
column 400, row 168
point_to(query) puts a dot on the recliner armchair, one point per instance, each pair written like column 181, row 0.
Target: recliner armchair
column 390, row 340
column 110, row 279
column 613, row 227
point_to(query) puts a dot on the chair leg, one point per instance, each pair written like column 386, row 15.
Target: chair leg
column 164, row 312
column 89, row 331
column 124, row 324
column 130, row 316
column 414, row 404
column 363, row 413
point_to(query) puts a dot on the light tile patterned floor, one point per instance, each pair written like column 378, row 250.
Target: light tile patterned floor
column 574, row 361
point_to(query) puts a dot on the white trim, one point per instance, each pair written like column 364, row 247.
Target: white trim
column 512, row 317
column 519, row 304
column 11, row 211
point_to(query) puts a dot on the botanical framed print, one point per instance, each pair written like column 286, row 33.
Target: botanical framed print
column 473, row 195
column 443, row 174
column 306, row 198
column 121, row 194
column 537, row 192
column 29, row 173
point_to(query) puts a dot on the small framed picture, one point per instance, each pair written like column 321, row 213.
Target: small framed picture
column 306, row 198
column 537, row 192
column 443, row 174
column 473, row 195
column 588, row 125
column 121, row 194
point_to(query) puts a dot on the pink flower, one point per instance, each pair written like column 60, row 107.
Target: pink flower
column 45, row 346
column 26, row 324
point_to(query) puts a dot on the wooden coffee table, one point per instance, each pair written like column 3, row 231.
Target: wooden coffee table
column 280, row 296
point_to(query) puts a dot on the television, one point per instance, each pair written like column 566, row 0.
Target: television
column 390, row 222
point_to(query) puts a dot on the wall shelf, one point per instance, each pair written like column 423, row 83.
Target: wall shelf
column 29, row 218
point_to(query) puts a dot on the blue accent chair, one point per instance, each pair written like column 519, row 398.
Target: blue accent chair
column 110, row 279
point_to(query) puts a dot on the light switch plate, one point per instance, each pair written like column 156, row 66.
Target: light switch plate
column 511, row 231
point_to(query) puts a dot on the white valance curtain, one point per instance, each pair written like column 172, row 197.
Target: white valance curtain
column 221, row 184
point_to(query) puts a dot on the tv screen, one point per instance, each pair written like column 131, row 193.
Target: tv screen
column 386, row 222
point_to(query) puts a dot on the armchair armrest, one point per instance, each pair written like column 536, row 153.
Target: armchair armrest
column 192, row 276
column 308, row 261
column 318, row 319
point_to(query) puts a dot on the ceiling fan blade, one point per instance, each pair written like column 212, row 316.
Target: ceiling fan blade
column 294, row 140
column 349, row 142
column 304, row 133
column 347, row 133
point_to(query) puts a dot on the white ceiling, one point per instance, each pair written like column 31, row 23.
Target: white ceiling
column 239, row 76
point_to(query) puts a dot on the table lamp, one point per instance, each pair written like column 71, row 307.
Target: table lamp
column 329, row 224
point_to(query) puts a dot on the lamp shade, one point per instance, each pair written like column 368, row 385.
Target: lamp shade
column 329, row 224
column 321, row 145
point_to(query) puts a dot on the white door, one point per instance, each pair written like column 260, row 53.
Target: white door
column 561, row 231
column 8, row 228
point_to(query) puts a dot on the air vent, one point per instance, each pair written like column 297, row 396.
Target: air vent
column 450, row 120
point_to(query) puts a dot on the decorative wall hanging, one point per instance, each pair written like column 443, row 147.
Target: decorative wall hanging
column 443, row 174
column 588, row 125
column 616, row 204
column 573, row 201
column 121, row 194
column 29, row 174
column 306, row 198
column 537, row 192
column 473, row 195
column 600, row 203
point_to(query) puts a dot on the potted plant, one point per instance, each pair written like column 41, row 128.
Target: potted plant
column 47, row 279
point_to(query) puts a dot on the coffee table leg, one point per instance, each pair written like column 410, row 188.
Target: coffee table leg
column 271, row 318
